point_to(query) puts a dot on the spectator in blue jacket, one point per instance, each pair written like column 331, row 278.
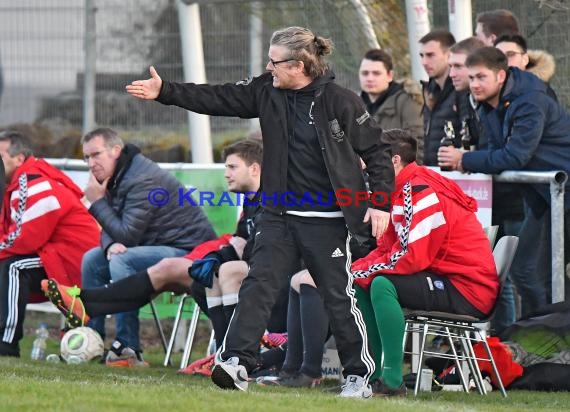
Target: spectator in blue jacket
column 526, row 130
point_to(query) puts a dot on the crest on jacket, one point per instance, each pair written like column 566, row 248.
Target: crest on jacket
column 336, row 132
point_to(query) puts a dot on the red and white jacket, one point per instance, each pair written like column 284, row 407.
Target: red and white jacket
column 434, row 228
column 42, row 214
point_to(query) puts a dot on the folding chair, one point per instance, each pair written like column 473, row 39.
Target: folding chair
column 491, row 232
column 158, row 326
column 461, row 329
column 191, row 331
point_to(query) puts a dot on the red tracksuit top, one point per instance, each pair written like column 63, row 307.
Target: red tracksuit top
column 433, row 227
column 42, row 214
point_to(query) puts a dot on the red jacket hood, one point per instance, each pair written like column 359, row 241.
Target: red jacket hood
column 33, row 165
column 442, row 186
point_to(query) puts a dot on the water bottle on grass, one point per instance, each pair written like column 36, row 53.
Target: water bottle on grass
column 40, row 343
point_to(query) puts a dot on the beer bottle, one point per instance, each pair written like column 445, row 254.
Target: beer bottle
column 466, row 140
column 447, row 140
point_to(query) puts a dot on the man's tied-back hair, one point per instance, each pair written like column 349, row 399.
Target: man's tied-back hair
column 304, row 46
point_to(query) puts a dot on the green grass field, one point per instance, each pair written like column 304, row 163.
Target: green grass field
column 26, row 385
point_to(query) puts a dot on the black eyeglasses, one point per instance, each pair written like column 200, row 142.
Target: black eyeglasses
column 275, row 63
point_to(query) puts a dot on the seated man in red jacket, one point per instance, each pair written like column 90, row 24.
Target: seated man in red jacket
column 433, row 256
column 45, row 232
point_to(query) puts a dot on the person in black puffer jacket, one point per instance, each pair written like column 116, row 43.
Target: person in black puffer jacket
column 136, row 233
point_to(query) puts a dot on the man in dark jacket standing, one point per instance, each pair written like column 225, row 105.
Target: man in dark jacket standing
column 507, row 198
column 136, row 233
column 439, row 94
column 526, row 130
column 313, row 132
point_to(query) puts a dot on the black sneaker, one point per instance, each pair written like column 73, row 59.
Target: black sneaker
column 379, row 388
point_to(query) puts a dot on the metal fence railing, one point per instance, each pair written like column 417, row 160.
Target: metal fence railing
column 557, row 181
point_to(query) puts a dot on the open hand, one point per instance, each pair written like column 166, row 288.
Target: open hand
column 379, row 221
column 146, row 89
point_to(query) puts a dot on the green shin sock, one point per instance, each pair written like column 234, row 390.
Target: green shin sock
column 391, row 324
column 374, row 342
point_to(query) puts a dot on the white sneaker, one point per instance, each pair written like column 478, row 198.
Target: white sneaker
column 356, row 387
column 230, row 374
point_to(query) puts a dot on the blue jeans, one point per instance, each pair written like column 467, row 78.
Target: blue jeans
column 525, row 270
column 97, row 271
column 506, row 312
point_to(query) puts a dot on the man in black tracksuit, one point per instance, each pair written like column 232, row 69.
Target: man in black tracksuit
column 313, row 132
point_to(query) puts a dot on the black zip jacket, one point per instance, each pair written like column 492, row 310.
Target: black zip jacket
column 439, row 107
column 344, row 130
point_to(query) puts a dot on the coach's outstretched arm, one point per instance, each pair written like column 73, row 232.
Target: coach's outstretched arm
column 146, row 89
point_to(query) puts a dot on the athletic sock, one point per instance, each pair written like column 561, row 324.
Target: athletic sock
column 273, row 357
column 374, row 342
column 229, row 311
column 294, row 355
column 229, row 301
column 315, row 326
column 391, row 325
column 125, row 295
column 218, row 318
